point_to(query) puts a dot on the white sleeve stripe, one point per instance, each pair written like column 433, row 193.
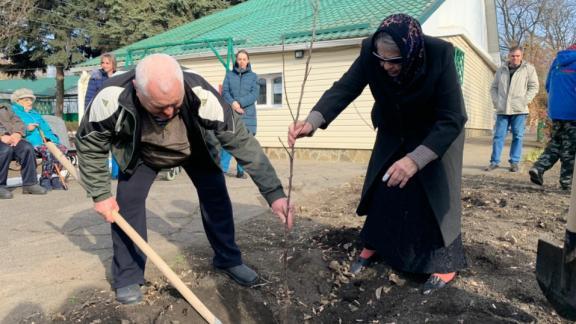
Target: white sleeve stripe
column 210, row 108
column 105, row 103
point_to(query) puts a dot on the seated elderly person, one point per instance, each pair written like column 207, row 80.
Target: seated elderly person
column 13, row 147
column 37, row 131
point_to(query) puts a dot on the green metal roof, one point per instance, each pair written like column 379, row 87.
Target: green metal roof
column 45, row 87
column 258, row 23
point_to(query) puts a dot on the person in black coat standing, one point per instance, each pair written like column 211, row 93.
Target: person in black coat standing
column 411, row 194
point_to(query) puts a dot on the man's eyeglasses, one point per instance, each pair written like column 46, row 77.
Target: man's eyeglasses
column 391, row 60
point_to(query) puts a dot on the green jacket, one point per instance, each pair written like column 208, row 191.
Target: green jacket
column 113, row 123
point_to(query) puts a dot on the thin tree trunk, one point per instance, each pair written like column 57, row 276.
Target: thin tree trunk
column 59, row 109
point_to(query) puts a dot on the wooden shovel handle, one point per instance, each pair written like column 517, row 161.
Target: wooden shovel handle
column 145, row 247
column 62, row 180
column 166, row 270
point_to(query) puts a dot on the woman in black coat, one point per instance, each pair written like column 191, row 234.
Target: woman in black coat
column 411, row 193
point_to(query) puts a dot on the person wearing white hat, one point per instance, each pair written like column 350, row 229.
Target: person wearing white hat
column 22, row 104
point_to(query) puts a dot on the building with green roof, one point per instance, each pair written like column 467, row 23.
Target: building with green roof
column 277, row 35
column 45, row 91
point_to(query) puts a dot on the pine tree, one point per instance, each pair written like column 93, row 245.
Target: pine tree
column 52, row 36
column 65, row 32
column 125, row 22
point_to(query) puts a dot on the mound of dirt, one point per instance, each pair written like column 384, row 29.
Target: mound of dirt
column 503, row 217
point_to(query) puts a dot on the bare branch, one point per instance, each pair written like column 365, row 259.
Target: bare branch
column 315, row 6
column 285, row 148
column 291, row 153
column 559, row 25
column 284, row 80
column 13, row 17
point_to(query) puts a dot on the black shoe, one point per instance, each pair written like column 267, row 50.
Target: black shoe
column 432, row 284
column 5, row 193
column 34, row 189
column 514, row 167
column 491, row 167
column 359, row 265
column 536, row 176
column 241, row 175
column 129, row 295
column 242, row 274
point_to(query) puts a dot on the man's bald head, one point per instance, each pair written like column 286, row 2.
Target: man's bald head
column 159, row 84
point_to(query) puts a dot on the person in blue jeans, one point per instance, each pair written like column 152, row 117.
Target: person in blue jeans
column 240, row 89
column 515, row 85
column 516, row 125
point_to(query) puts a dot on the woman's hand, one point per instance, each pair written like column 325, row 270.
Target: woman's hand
column 237, row 108
column 400, row 172
column 298, row 129
column 32, row 127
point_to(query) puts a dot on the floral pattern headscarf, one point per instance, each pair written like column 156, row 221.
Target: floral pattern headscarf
column 408, row 36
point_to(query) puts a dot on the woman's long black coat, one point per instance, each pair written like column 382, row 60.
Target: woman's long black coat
column 430, row 112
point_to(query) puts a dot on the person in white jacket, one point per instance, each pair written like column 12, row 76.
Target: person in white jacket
column 515, row 85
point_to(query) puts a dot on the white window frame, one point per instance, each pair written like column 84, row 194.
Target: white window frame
column 269, row 77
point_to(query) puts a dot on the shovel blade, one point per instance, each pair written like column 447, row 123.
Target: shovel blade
column 551, row 274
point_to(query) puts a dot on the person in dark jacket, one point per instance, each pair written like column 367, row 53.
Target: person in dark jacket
column 156, row 117
column 14, row 147
column 411, row 193
column 560, row 85
column 240, row 89
column 97, row 77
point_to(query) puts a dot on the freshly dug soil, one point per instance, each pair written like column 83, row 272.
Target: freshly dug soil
column 504, row 216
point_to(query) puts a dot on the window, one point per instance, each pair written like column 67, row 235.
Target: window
column 271, row 91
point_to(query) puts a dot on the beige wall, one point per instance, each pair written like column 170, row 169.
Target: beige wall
column 352, row 129
column 478, row 76
column 348, row 131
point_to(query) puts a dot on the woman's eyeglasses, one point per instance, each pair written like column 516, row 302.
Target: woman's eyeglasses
column 391, row 60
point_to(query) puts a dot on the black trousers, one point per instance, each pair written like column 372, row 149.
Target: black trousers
column 129, row 262
column 23, row 152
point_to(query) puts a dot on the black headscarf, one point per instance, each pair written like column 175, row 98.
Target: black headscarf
column 408, row 36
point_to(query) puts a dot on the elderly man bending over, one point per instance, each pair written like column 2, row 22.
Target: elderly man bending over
column 156, row 117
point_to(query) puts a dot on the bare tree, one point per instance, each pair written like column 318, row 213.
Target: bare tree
column 291, row 152
column 520, row 19
column 542, row 27
column 559, row 24
column 13, row 17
